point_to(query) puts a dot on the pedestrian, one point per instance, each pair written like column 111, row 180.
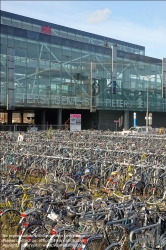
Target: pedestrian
column 6, row 136
column 20, row 138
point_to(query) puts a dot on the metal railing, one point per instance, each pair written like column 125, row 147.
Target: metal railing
column 36, row 127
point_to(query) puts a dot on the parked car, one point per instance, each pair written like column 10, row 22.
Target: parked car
column 137, row 130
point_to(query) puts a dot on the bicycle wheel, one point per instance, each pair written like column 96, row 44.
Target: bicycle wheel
column 35, row 176
column 27, row 220
column 69, row 182
column 96, row 244
column 9, row 219
column 33, row 237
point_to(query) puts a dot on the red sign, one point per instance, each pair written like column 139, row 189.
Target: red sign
column 75, row 115
column 116, row 120
column 46, row 30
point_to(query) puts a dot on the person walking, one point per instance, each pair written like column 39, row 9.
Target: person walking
column 20, row 138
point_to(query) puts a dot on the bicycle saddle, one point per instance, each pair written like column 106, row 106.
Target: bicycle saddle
column 125, row 193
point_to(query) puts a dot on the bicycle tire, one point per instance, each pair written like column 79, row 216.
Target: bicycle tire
column 28, row 219
column 10, row 218
column 34, row 232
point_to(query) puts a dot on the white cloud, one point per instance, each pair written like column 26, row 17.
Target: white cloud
column 98, row 16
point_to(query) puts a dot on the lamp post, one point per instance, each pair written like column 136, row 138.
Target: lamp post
column 147, row 101
column 147, row 108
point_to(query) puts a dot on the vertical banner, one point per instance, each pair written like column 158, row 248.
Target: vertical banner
column 75, row 122
column 134, row 119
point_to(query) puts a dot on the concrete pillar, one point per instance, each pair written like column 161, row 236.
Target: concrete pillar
column 126, row 119
column 43, row 113
column 21, row 117
column 10, row 119
column 59, row 117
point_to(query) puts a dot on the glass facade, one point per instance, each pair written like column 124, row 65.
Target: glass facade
column 52, row 69
column 65, row 32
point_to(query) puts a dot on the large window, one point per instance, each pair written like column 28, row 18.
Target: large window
column 56, row 70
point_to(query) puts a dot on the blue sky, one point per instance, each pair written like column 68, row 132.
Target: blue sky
column 138, row 22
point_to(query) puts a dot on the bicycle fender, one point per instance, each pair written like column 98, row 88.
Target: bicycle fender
column 10, row 209
column 97, row 237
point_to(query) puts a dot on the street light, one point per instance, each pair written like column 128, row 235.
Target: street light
column 147, row 101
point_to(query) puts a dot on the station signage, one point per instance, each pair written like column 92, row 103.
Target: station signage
column 22, row 99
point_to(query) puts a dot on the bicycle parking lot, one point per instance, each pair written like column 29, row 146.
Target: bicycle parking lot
column 82, row 190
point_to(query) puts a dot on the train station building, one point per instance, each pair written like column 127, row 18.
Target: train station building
column 49, row 71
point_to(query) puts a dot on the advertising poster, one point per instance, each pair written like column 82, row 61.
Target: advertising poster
column 75, row 122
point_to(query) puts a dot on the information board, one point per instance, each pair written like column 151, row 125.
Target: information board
column 75, row 122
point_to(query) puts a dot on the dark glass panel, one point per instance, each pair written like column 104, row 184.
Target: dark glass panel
column 20, row 32
column 32, row 35
column 45, row 38
column 3, row 29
